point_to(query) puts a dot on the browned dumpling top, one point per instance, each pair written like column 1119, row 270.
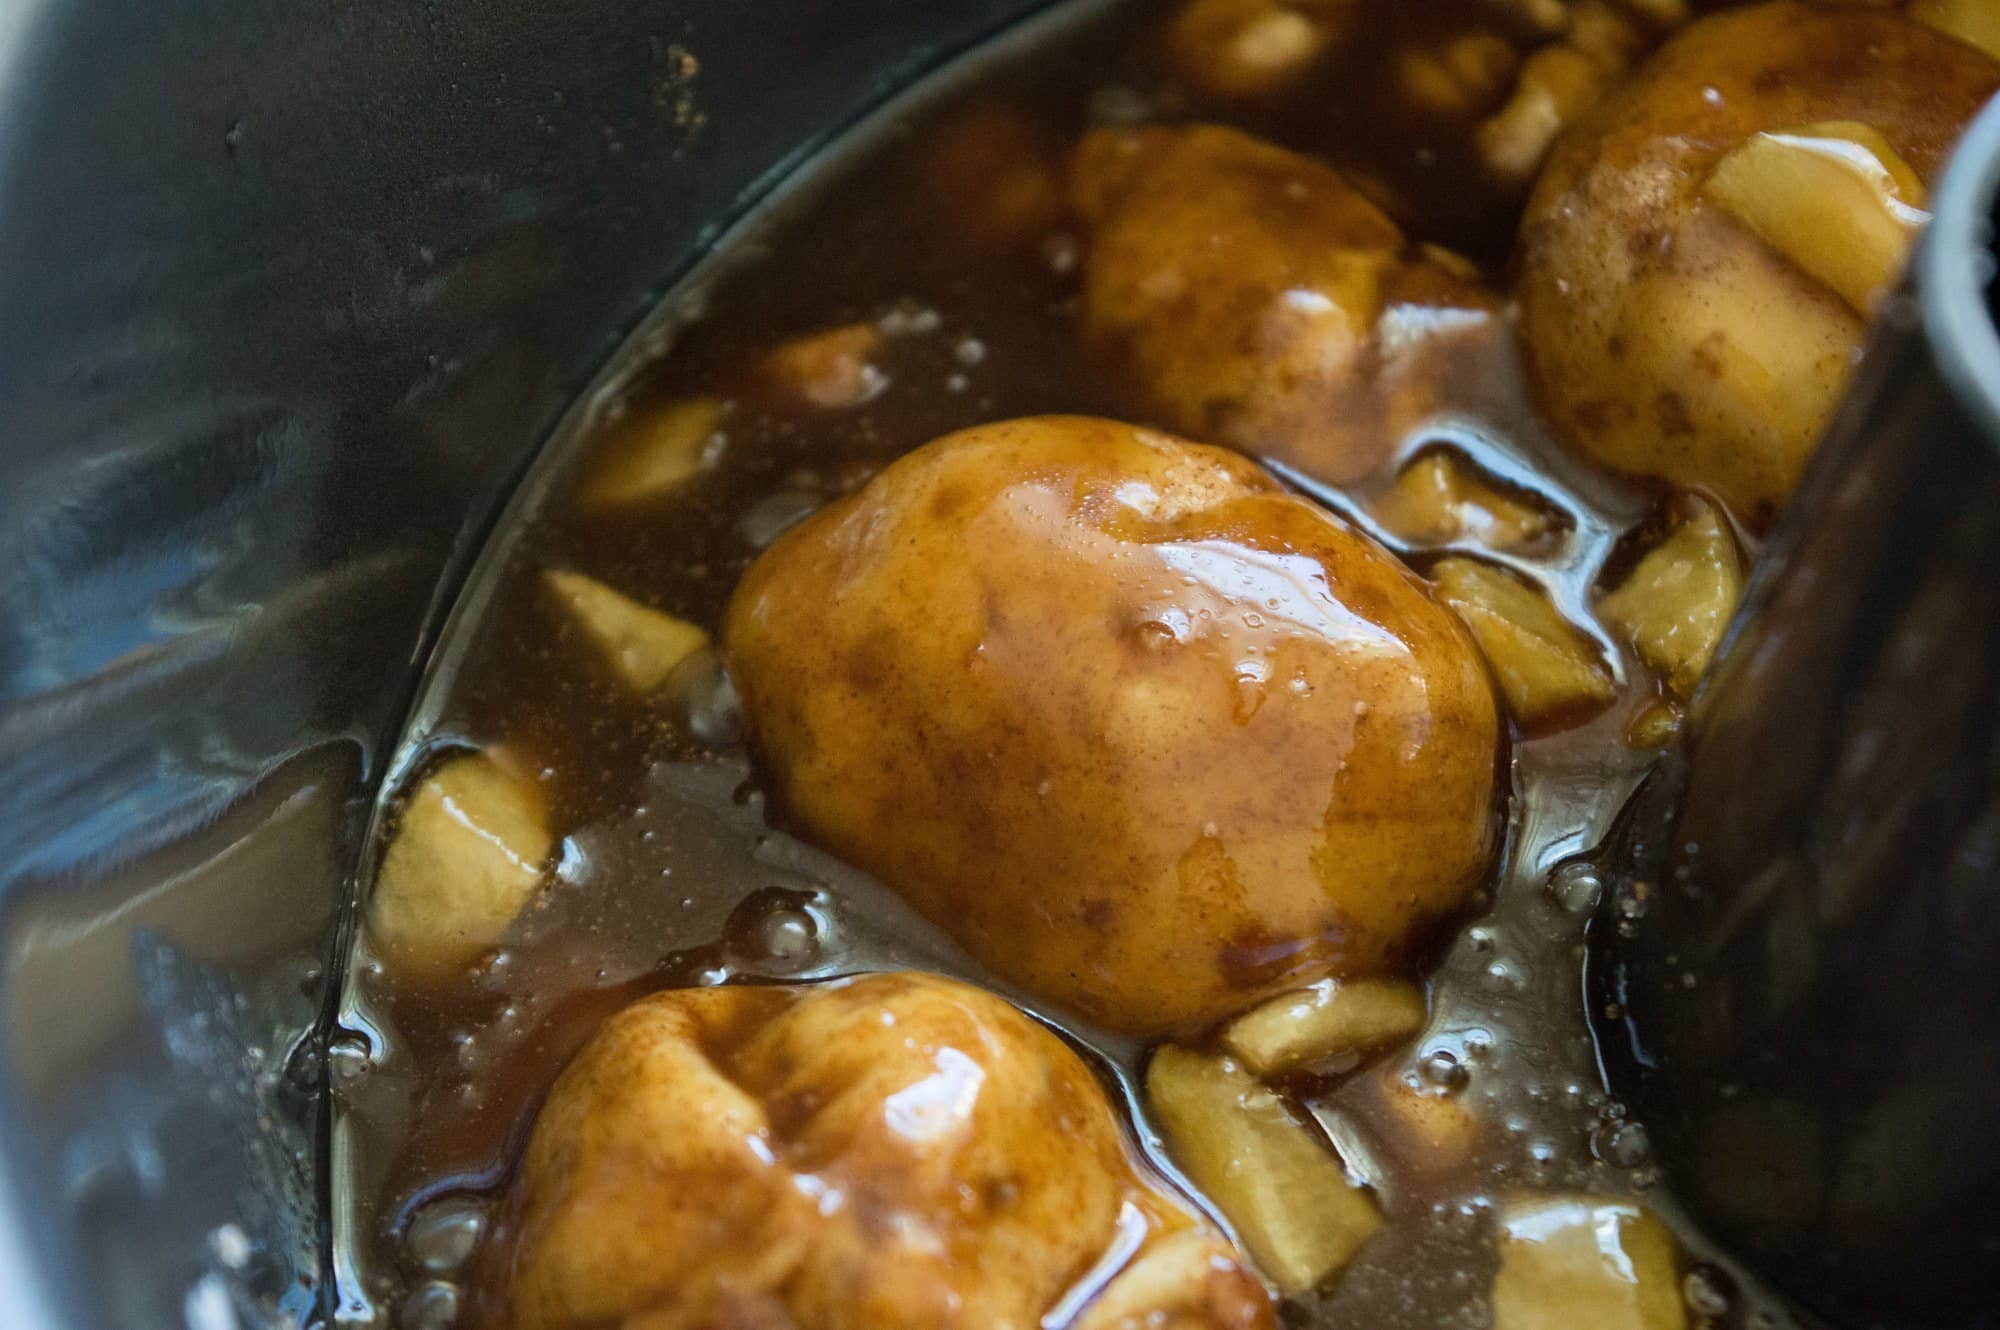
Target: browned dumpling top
column 1253, row 297
column 892, row 1152
column 1150, row 736
column 1703, row 251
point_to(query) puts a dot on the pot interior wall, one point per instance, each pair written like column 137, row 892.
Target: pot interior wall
column 293, row 294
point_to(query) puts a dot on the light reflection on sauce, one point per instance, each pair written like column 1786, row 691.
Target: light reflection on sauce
column 936, row 1106
column 619, row 925
column 1291, row 588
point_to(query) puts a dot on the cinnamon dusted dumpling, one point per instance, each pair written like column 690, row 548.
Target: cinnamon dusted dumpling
column 894, row 1152
column 1703, row 251
column 1253, row 297
column 1153, row 738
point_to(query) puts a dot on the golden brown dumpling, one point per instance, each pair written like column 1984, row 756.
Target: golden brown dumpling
column 1151, row 737
column 893, row 1152
column 1689, row 300
column 1253, row 297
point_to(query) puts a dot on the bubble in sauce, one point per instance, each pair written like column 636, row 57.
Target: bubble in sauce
column 1157, row 635
column 432, row 1305
column 1575, row 887
column 441, row 1237
column 1442, row 1071
column 349, row 1059
column 1621, row 1144
column 774, row 928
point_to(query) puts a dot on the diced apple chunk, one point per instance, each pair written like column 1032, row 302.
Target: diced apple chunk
column 1422, row 1131
column 1833, row 198
column 1247, row 48
column 1190, row 1280
column 1546, row 667
column 1654, row 725
column 1464, row 73
column 1675, row 604
column 1974, row 22
column 1283, row 1190
column 1330, row 1019
column 642, row 645
column 1606, row 32
column 654, row 453
column 467, row 856
column 1569, row 1262
column 1561, row 81
column 1557, row 85
column 835, row 368
column 1437, row 499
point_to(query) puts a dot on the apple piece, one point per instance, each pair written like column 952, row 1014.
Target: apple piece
column 1326, row 1020
column 834, row 368
column 1249, row 48
column 1546, row 667
column 1190, row 1280
column 1421, row 1131
column 1567, row 1262
column 642, row 645
column 1833, row 198
column 467, row 856
column 654, row 452
column 1654, row 725
column 1465, row 73
column 1557, row 84
column 1281, row 1187
column 1437, row 499
column 1675, row 604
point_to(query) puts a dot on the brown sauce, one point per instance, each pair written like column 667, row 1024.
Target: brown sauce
column 672, row 874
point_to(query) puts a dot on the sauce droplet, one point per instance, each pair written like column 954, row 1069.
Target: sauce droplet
column 444, row 1233
column 1442, row 1071
column 429, row 1306
column 1575, row 887
column 1621, row 1144
column 348, row 1061
column 774, row 928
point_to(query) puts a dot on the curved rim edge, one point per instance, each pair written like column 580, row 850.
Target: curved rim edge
column 1955, row 266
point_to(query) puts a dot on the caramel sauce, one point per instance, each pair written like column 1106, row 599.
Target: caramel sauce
column 673, row 870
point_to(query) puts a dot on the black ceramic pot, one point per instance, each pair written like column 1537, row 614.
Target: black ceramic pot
column 1797, row 975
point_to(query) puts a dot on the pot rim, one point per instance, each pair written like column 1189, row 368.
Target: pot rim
column 1955, row 267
